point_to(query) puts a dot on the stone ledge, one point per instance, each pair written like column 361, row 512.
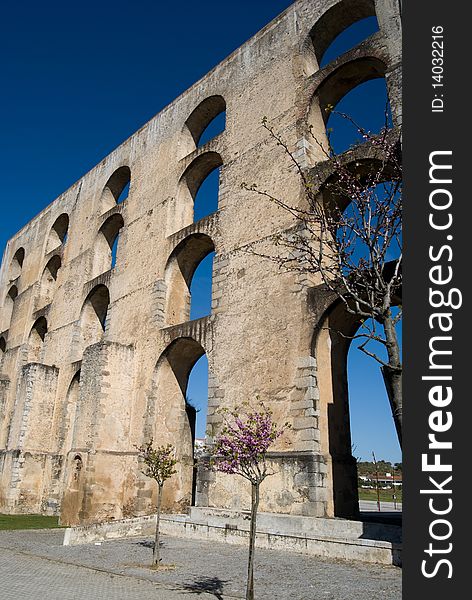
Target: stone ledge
column 318, row 544
column 102, row 279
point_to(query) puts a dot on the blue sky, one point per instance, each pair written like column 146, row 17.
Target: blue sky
column 78, row 79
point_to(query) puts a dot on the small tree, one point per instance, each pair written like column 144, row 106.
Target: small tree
column 160, row 463
column 241, row 449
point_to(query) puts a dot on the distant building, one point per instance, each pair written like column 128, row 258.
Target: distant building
column 199, row 446
column 388, row 480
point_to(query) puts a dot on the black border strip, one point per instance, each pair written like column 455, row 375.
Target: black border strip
column 428, row 128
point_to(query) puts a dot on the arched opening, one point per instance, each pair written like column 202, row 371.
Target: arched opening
column 365, row 229
column 116, row 189
column 336, row 20
column 36, row 340
column 206, row 121
column 345, row 79
column 124, row 193
column 330, row 348
column 355, row 415
column 94, row 315
column 349, row 38
column 201, row 288
column 13, row 293
column 197, row 398
column 74, row 492
column 358, row 90
column 69, row 415
column 206, row 198
column 49, row 279
column 58, row 233
column 196, row 198
column 17, row 264
column 214, row 128
column 9, row 304
column 173, row 418
column 106, row 245
column 78, row 466
column 187, row 293
column 368, row 108
column 371, row 423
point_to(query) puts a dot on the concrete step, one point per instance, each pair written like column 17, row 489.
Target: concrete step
column 297, row 525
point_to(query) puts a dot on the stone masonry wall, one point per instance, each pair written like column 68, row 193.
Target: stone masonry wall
column 95, row 358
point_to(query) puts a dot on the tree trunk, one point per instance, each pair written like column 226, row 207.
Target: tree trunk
column 155, row 554
column 393, row 384
column 392, row 375
column 252, row 541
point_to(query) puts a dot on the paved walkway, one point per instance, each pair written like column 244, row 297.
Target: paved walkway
column 384, row 506
column 35, row 565
column 24, row 577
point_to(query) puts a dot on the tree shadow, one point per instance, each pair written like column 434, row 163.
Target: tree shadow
column 149, row 544
column 208, row 585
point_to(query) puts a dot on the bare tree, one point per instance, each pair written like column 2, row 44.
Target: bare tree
column 159, row 465
column 348, row 230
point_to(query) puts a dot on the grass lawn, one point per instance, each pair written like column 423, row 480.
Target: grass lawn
column 385, row 495
column 27, row 522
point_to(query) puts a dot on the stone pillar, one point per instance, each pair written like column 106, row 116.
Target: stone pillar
column 29, row 446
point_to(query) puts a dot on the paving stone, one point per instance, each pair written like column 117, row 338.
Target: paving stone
column 34, row 564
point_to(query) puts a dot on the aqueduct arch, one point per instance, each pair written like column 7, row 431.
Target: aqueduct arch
column 335, row 20
column 200, row 118
column 9, row 304
column 93, row 315
column 182, row 209
column 345, row 78
column 36, row 339
column 105, row 246
column 17, row 264
column 114, row 191
column 173, row 421
column 179, row 272
column 334, row 330
column 58, row 234
column 49, row 279
column 135, row 359
column 330, row 348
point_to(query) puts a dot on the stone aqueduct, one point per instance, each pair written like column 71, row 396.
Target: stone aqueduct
column 94, row 359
